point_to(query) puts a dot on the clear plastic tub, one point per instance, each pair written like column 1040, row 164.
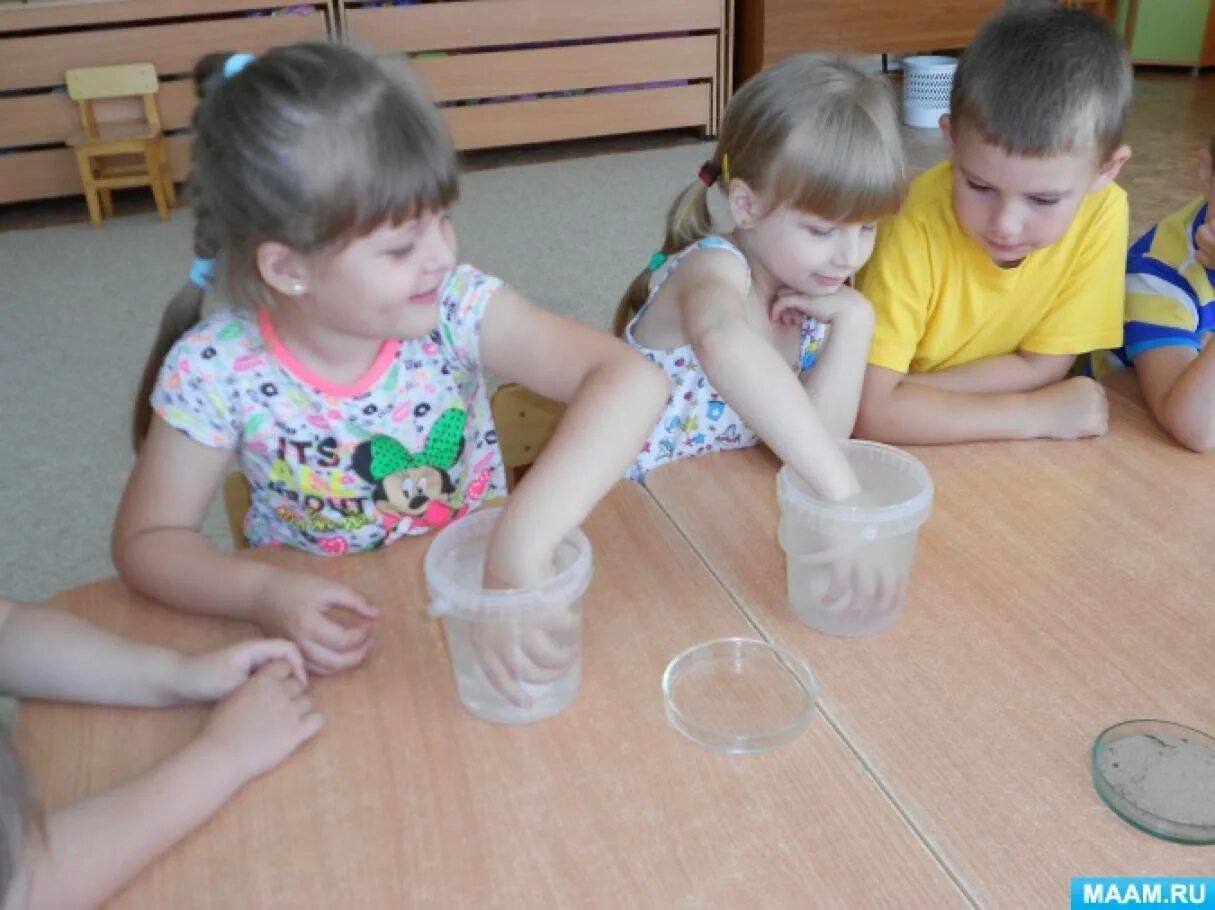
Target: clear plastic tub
column 739, row 695
column 492, row 635
column 848, row 562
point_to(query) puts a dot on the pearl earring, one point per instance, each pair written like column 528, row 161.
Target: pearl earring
column 297, row 288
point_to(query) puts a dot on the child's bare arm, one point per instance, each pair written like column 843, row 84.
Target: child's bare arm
column 160, row 552
column 47, row 653
column 750, row 374
column 1022, row 371
column 614, row 398
column 834, row 383
column 95, row 846
column 1179, row 386
column 156, row 543
column 906, row 413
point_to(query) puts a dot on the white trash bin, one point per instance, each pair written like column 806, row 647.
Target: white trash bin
column 927, row 82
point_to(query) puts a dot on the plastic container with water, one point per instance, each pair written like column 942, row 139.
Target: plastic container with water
column 490, row 632
column 849, row 562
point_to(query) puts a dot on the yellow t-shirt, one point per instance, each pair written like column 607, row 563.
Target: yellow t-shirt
column 941, row 301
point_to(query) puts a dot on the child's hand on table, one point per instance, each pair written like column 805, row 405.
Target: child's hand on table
column 1080, row 409
column 211, row 676
column 261, row 723
column 304, row 608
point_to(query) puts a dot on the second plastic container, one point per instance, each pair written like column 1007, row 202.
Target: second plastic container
column 482, row 626
column 848, row 562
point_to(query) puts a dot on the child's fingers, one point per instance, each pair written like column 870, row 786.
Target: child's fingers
column 310, row 725
column 561, row 626
column 503, row 680
column 545, row 653
column 325, row 660
column 879, row 604
column 257, row 654
column 301, row 704
column 278, row 670
column 332, row 634
column 341, row 596
column 838, row 585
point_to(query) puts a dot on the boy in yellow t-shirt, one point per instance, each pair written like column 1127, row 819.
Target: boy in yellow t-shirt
column 1008, row 259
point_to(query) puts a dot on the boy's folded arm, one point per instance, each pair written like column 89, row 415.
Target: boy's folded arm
column 1178, row 384
column 906, row 413
column 1020, row 371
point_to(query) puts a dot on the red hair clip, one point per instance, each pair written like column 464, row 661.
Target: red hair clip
column 709, row 172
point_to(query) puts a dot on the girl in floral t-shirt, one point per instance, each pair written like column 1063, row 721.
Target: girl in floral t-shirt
column 347, row 378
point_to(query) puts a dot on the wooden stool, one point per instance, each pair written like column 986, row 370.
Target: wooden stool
column 525, row 422
column 238, row 497
column 126, row 153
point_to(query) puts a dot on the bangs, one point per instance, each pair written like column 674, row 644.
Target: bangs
column 845, row 171
column 397, row 164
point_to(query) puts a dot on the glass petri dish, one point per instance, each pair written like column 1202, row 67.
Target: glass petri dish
column 1160, row 777
column 739, row 695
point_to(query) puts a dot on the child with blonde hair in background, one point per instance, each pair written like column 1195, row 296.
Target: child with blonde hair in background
column 757, row 328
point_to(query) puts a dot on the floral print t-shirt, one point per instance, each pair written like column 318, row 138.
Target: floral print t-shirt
column 697, row 419
column 408, row 447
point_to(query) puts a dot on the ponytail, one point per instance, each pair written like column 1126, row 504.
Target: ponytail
column 184, row 311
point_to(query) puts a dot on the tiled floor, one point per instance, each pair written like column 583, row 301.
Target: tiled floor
column 1171, row 120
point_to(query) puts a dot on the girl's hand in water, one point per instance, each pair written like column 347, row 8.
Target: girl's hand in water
column 537, row 652
column 514, row 654
column 330, row 622
column 863, row 590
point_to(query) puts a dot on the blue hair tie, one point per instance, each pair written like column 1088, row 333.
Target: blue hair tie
column 236, row 63
column 202, row 272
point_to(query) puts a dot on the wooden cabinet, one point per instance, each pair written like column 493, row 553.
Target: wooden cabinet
column 39, row 41
column 770, row 30
column 1177, row 33
column 510, row 72
column 505, row 72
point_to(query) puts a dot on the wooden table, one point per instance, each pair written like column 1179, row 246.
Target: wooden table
column 405, row 799
column 1059, row 587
